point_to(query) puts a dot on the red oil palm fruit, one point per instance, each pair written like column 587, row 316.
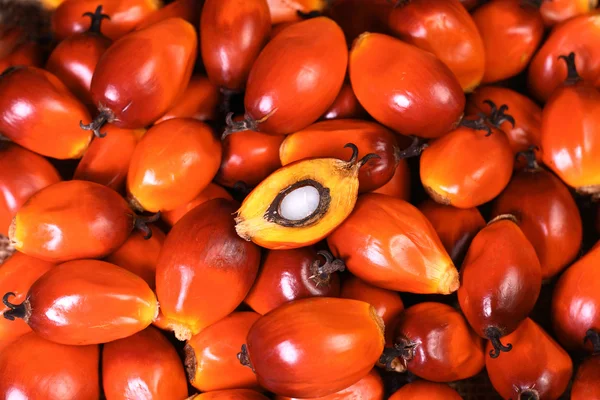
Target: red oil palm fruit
column 212, row 191
column 586, row 382
column 345, row 105
column 420, row 390
column 199, row 101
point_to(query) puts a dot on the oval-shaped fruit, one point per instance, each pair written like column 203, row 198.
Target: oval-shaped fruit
column 405, row 88
column 580, row 35
column 546, row 213
column 456, row 41
column 399, row 185
column 72, row 220
column 301, row 203
column 456, row 227
column 368, row 388
column 17, row 274
column 249, row 157
column 576, row 304
column 232, row 34
column 420, row 390
column 388, row 242
column 38, row 112
column 68, row 19
column 188, row 10
column 291, row 349
column 575, row 108
column 434, row 342
column 287, row 275
column 231, row 394
column 25, row 54
column 22, row 174
column 327, row 139
column 295, row 78
column 586, row 383
column 140, row 255
column 200, row 101
column 468, row 167
column 345, row 105
column 86, row 302
column 218, row 264
column 172, row 164
column 75, row 58
column 211, row 355
column 107, row 159
column 537, row 367
column 285, row 10
column 511, row 33
column 133, row 92
column 556, row 11
column 34, row 368
column 501, row 280
column 527, row 115
column 143, row 366
column 212, row 191
column 387, row 303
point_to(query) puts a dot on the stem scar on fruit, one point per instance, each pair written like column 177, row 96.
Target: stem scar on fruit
column 301, row 203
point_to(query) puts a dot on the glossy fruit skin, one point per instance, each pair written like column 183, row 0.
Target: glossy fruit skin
column 231, row 394
column 25, row 54
column 585, row 385
column 536, row 361
column 199, row 101
column 17, row 274
column 22, row 173
column 399, row 185
column 527, row 115
column 143, row 366
column 211, row 355
column 212, row 191
column 456, row 41
column 285, row 11
column 188, row 10
column 471, row 176
column 140, row 255
column 392, row 80
column 35, row 106
column 124, row 15
column 139, row 78
column 511, row 34
column 554, row 12
column 53, row 227
column 501, row 279
column 95, row 301
column 456, row 227
column 218, row 264
column 37, row 369
column 446, row 348
column 232, row 34
column 249, row 157
column 547, row 215
column 74, row 61
column 285, row 275
column 107, row 159
column 547, row 73
column 388, row 243
column 387, row 303
column 182, row 155
column 420, row 390
column 575, row 158
column 274, row 99
column 368, row 388
column 576, row 302
column 327, row 139
column 290, row 330
column 345, row 105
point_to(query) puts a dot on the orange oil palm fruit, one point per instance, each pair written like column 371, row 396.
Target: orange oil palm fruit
column 230, row 394
column 399, row 185
column 287, row 11
column 200, row 101
column 557, row 11
column 212, row 191
column 419, row 390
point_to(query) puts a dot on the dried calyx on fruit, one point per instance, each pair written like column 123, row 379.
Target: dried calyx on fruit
column 496, row 118
column 301, row 203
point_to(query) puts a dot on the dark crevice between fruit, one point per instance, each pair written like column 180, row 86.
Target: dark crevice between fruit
column 399, row 3
column 532, row 3
column 321, row 273
column 498, row 116
column 594, row 338
column 273, row 213
column 141, row 224
column 228, row 97
column 98, row 122
column 528, row 394
column 96, row 18
column 9, row 70
column 414, row 150
column 493, row 334
column 309, row 15
column 395, row 358
column 240, row 190
column 22, row 311
column 529, row 156
column 244, row 358
column 572, row 74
